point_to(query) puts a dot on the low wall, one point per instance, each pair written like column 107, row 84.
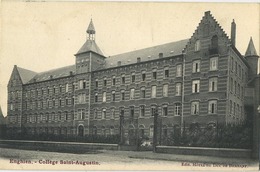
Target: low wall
column 220, row 152
column 57, row 146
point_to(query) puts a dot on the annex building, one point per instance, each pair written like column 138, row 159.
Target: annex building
column 202, row 79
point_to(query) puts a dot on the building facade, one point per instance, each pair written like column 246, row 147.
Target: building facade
column 197, row 80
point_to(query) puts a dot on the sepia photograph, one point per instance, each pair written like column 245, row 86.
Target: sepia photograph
column 129, row 86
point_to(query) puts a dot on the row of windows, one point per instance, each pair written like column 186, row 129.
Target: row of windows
column 212, row 107
column 195, row 68
column 236, row 88
column 236, row 68
column 143, row 76
column 80, row 114
column 82, row 84
column 143, row 94
column 235, row 109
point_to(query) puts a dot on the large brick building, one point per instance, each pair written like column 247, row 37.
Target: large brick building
column 197, row 80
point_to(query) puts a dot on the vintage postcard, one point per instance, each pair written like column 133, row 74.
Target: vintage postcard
column 129, row 86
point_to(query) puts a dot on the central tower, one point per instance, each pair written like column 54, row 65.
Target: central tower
column 89, row 57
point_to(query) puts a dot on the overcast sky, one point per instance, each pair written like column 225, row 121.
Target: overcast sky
column 43, row 36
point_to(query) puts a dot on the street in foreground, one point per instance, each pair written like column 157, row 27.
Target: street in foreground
column 120, row 160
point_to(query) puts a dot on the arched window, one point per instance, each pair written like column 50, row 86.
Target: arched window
column 214, row 41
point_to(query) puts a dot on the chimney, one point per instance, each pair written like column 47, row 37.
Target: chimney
column 71, row 73
column 233, row 33
column 119, row 63
column 160, row 55
column 138, row 59
column 51, row 77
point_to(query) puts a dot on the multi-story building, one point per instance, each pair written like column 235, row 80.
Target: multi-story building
column 197, row 80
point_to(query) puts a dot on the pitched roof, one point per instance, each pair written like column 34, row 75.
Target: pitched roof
column 25, row 74
column 91, row 28
column 251, row 49
column 90, row 45
column 54, row 73
column 146, row 54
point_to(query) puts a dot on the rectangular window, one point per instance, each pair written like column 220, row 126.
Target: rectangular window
column 143, row 92
column 195, row 108
column 212, row 107
column 236, row 68
column 60, row 89
column 132, row 112
column 67, row 101
column 112, row 114
column 96, row 83
column 96, row 97
column 114, row 80
column 166, row 72
column 165, row 110
column 80, row 84
column 179, row 70
column 213, row 82
column 235, row 89
column 123, row 79
column 104, row 96
column 177, row 109
column 230, row 107
column 132, row 94
column 105, row 82
column 213, row 63
column 81, row 114
column 153, row 110
column 142, row 111
column 83, row 98
column 231, row 84
column 232, row 64
column 153, row 92
column 104, row 114
column 196, row 66
column 178, row 89
column 238, row 90
column 67, row 88
column 122, row 95
column 113, row 96
column 154, row 74
column 239, row 71
column 165, row 90
column 72, row 101
column 133, row 77
column 73, row 87
column 195, row 86
column 143, row 76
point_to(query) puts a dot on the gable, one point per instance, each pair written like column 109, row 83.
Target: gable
column 207, row 29
column 15, row 78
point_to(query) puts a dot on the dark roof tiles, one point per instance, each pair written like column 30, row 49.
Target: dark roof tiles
column 25, row 74
column 90, row 45
column 146, row 54
column 251, row 49
column 53, row 74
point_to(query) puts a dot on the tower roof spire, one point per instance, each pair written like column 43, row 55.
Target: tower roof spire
column 91, row 28
column 251, row 49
